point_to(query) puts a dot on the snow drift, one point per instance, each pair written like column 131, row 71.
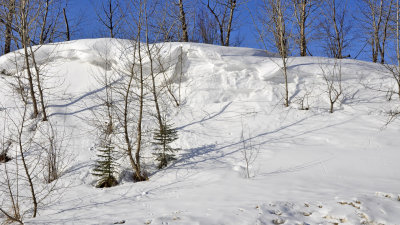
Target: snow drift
column 309, row 167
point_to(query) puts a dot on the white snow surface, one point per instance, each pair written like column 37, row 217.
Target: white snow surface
column 312, row 167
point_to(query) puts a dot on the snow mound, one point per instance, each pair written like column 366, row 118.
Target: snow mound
column 309, row 166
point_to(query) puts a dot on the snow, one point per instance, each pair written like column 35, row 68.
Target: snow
column 312, row 167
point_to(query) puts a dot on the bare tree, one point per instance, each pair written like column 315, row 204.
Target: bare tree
column 50, row 20
column 164, row 134
column 110, row 17
column 141, row 83
column 26, row 21
column 207, row 28
column 21, row 185
column 397, row 75
column 132, row 89
column 54, row 145
column 333, row 79
column 24, row 28
column 142, row 88
column 44, row 23
column 173, row 20
column 249, row 151
column 38, row 83
column 303, row 98
column 376, row 20
column 394, row 70
column 67, row 32
column 335, row 27
column 385, row 32
column 166, row 23
column 223, row 12
column 8, row 22
column 302, row 12
column 127, row 90
column 154, row 90
column 20, row 142
column 14, row 213
column 182, row 19
column 274, row 21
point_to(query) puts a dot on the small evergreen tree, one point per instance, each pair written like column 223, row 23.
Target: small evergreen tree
column 105, row 168
column 163, row 138
column 105, row 165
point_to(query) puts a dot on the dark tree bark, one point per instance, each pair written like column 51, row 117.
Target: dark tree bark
column 26, row 42
column 376, row 15
column 336, row 27
column 302, row 11
column 8, row 25
column 109, row 16
column 223, row 18
column 39, row 84
column 182, row 18
column 67, row 33
column 44, row 24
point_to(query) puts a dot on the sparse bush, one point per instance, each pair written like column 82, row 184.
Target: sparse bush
column 333, row 80
column 249, row 151
column 54, row 147
column 303, row 100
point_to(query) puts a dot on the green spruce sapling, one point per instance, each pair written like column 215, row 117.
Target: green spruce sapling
column 162, row 139
column 105, row 165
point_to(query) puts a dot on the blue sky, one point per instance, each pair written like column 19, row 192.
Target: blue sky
column 90, row 27
column 85, row 9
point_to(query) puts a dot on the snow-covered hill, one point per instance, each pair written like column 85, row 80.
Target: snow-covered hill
column 309, row 167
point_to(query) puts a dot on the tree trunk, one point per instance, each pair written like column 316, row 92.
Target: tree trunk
column 229, row 29
column 25, row 43
column 300, row 11
column 279, row 31
column 67, row 33
column 303, row 42
column 224, row 26
column 110, row 19
column 338, row 53
column 43, row 29
column 385, row 32
column 126, row 122
column 8, row 25
column 398, row 47
column 182, row 18
column 154, row 89
column 286, row 82
column 26, row 169
column 139, row 175
column 39, row 86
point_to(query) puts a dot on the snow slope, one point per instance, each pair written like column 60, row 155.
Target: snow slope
column 311, row 167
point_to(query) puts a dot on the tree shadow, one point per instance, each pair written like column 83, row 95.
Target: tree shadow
column 121, row 196
column 194, row 156
column 75, row 112
column 206, row 118
column 86, row 95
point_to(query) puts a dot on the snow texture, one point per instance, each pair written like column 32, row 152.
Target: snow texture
column 311, row 167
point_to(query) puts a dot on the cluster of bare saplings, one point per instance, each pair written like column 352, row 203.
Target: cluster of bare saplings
column 34, row 149
column 32, row 153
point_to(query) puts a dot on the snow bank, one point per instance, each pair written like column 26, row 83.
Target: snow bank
column 312, row 167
